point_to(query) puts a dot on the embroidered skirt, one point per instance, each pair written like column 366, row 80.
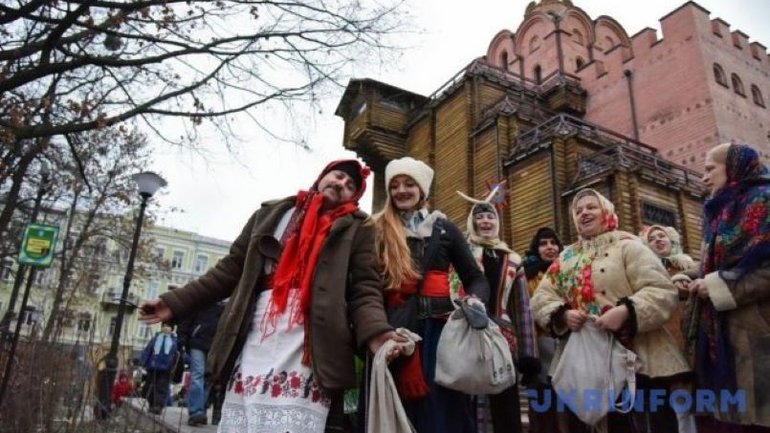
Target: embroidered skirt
column 270, row 390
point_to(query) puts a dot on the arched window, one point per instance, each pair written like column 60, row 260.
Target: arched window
column 579, row 62
column 577, row 36
column 504, row 60
column 737, row 85
column 534, row 43
column 609, row 42
column 756, row 94
column 719, row 75
column 538, row 73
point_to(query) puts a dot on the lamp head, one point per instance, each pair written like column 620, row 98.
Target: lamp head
column 148, row 183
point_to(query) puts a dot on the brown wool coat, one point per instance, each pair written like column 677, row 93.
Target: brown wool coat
column 346, row 308
column 747, row 305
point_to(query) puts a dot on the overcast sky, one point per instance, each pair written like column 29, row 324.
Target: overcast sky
column 218, row 193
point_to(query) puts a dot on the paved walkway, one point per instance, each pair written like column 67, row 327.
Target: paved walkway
column 172, row 420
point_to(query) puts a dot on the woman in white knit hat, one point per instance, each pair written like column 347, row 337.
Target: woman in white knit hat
column 417, row 246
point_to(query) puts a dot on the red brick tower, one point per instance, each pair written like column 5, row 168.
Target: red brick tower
column 698, row 86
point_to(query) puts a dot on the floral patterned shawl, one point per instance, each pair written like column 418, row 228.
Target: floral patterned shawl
column 571, row 272
column 736, row 233
column 737, row 219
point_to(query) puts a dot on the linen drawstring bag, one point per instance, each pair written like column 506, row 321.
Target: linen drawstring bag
column 473, row 358
column 594, row 369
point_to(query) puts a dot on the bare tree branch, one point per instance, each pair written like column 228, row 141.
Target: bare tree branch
column 111, row 61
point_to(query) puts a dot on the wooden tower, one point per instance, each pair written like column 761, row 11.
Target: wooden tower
column 487, row 124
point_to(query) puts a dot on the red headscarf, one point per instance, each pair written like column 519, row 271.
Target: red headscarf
column 304, row 237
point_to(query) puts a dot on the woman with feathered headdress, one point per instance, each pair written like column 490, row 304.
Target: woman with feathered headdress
column 508, row 304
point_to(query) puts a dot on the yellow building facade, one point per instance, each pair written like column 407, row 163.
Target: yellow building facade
column 90, row 304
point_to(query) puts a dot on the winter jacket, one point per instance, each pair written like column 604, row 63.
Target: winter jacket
column 346, row 307
column 451, row 252
column 197, row 331
column 120, row 390
column 622, row 269
column 163, row 359
column 747, row 301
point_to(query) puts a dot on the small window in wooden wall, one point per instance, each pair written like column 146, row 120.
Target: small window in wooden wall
column 589, row 166
column 654, row 214
column 359, row 109
column 392, row 104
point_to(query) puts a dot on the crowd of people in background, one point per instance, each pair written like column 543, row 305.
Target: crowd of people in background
column 171, row 370
column 313, row 282
column 195, row 334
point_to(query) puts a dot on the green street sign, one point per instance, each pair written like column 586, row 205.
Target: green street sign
column 38, row 244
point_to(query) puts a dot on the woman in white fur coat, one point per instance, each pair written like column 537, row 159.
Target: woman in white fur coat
column 609, row 276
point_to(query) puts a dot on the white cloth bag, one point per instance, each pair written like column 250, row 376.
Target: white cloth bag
column 473, row 361
column 595, row 365
column 386, row 414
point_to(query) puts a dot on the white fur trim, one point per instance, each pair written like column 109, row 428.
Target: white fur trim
column 416, row 169
column 719, row 292
column 681, row 277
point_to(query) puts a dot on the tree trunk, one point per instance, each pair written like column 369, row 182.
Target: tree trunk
column 65, row 271
column 12, row 198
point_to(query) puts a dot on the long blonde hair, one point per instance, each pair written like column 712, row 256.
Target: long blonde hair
column 393, row 251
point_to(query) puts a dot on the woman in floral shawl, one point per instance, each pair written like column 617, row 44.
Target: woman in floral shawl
column 729, row 337
column 610, row 277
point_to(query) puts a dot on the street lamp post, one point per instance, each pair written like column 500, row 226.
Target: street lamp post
column 148, row 183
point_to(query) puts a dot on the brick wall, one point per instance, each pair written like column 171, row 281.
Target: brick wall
column 680, row 107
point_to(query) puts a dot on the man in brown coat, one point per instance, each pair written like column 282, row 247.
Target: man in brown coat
column 305, row 294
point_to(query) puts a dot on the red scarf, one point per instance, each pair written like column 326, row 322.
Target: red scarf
column 299, row 258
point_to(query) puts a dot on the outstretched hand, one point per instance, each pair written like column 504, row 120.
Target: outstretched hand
column 154, row 311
